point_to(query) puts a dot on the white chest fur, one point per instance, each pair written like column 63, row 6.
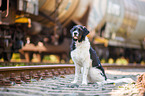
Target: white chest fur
column 81, row 53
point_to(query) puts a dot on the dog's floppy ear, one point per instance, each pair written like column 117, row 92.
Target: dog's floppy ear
column 86, row 32
column 72, row 29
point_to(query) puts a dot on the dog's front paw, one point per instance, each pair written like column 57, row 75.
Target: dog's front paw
column 84, row 83
column 74, row 82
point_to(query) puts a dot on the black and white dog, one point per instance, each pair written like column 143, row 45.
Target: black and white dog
column 85, row 56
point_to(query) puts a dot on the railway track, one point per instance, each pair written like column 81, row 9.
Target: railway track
column 54, row 80
column 26, row 73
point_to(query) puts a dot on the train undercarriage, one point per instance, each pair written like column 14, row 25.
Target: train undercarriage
column 44, row 44
column 132, row 55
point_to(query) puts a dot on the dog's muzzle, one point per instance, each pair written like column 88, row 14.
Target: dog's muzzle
column 75, row 34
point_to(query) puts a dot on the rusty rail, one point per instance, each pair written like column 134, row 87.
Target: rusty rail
column 26, row 73
column 130, row 65
column 110, row 66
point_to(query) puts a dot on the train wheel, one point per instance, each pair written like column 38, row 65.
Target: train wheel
column 40, row 57
column 102, row 52
column 64, row 57
column 7, row 56
column 22, row 56
column 28, row 56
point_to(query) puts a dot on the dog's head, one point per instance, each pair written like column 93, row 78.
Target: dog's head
column 79, row 32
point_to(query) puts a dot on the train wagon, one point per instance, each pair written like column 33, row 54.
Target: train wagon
column 37, row 21
column 42, row 26
column 122, row 23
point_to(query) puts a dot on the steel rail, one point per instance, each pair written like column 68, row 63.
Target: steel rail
column 35, row 67
column 25, row 73
column 66, row 66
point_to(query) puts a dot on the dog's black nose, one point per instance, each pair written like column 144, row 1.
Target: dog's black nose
column 75, row 33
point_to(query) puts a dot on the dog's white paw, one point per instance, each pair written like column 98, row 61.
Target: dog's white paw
column 74, row 82
column 84, row 83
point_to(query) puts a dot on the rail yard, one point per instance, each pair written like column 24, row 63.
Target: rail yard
column 35, row 48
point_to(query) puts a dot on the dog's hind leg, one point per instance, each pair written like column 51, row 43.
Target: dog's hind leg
column 101, row 68
column 77, row 72
column 96, row 75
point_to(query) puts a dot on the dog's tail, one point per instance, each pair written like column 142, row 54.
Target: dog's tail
column 117, row 81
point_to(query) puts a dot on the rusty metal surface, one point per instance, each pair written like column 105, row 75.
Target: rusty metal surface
column 26, row 73
column 36, row 67
column 52, row 65
column 64, row 47
column 7, row 71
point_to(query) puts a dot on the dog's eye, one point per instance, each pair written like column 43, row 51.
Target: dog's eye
column 74, row 29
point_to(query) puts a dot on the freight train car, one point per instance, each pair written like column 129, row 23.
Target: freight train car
column 116, row 24
column 32, row 21
column 122, row 23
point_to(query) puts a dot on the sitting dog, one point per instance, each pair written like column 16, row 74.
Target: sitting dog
column 83, row 55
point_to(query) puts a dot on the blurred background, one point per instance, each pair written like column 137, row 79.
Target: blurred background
column 39, row 30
